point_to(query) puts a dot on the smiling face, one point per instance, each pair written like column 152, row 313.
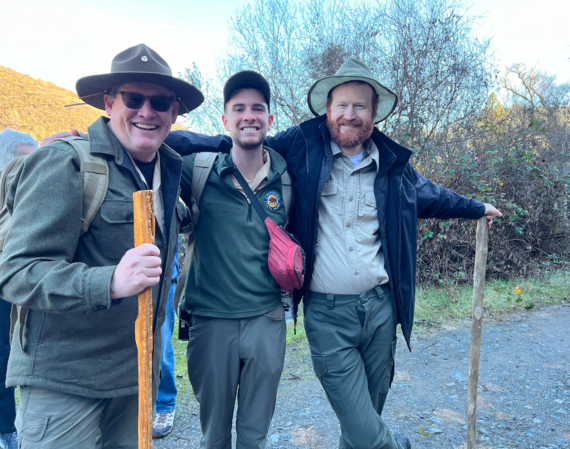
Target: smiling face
column 140, row 131
column 247, row 118
column 351, row 114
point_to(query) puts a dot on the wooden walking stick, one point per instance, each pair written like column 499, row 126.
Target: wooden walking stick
column 476, row 328
column 144, row 233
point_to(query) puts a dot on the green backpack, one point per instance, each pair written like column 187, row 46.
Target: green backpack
column 95, row 174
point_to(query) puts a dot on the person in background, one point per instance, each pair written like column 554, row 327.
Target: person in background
column 14, row 146
column 165, row 406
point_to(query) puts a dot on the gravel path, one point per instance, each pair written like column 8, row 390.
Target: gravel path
column 523, row 398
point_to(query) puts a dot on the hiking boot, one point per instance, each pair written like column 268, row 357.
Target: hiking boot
column 162, row 424
column 9, row 440
column 403, row 440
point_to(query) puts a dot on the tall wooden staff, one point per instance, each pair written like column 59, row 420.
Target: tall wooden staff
column 144, row 233
column 476, row 328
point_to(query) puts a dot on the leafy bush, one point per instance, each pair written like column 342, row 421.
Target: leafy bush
column 515, row 159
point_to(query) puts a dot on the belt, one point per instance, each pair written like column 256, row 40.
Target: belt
column 333, row 300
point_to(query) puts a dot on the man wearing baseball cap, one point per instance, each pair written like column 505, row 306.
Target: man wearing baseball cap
column 237, row 329
column 75, row 281
column 357, row 204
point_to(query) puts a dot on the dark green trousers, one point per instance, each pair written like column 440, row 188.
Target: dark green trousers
column 353, row 344
column 243, row 357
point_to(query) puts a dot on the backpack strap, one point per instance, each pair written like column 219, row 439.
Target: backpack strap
column 5, row 174
column 95, row 174
column 203, row 164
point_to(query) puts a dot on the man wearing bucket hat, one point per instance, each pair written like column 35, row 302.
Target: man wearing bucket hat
column 357, row 203
column 237, row 329
column 75, row 280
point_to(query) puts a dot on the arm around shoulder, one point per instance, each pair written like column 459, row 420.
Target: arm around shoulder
column 187, row 142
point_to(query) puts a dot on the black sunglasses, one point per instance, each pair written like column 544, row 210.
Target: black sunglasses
column 135, row 100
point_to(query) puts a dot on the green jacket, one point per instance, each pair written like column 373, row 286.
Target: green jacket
column 229, row 276
column 76, row 340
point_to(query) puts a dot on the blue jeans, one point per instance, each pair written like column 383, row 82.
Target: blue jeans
column 7, row 404
column 166, row 399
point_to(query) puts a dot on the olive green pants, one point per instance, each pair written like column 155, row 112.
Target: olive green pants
column 243, row 357
column 353, row 343
column 50, row 419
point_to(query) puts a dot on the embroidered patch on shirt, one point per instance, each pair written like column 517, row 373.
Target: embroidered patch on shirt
column 272, row 201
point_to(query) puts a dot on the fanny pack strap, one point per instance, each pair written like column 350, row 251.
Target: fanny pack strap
column 245, row 186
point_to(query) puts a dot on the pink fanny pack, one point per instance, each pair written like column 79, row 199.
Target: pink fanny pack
column 286, row 259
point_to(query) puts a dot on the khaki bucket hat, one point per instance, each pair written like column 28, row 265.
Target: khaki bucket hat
column 138, row 64
column 351, row 70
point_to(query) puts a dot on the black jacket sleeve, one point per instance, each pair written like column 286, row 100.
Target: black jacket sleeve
column 187, row 142
column 436, row 202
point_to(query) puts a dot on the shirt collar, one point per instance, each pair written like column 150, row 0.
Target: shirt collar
column 369, row 147
column 262, row 174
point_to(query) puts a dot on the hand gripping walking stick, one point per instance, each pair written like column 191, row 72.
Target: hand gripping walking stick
column 476, row 328
column 144, row 233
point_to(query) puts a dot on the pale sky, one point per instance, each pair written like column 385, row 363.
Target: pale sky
column 63, row 40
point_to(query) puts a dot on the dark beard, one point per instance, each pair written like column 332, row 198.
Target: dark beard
column 251, row 145
column 354, row 138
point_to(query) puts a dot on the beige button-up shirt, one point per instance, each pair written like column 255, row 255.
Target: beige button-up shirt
column 349, row 258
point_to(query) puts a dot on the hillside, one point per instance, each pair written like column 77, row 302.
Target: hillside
column 37, row 107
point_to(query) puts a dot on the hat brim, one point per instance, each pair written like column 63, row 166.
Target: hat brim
column 318, row 95
column 88, row 86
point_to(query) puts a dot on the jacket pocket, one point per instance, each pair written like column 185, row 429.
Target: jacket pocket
column 117, row 224
column 31, row 427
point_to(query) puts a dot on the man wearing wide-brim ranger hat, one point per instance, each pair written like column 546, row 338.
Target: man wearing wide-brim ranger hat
column 357, row 201
column 71, row 266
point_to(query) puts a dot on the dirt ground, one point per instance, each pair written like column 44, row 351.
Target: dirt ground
column 523, row 396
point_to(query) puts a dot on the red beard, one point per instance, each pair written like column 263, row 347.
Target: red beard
column 355, row 136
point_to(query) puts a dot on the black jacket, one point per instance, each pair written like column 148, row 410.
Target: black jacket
column 402, row 196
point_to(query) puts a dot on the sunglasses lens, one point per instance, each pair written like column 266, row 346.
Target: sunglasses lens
column 161, row 103
column 133, row 100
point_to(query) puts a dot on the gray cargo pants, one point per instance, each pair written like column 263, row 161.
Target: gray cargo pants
column 243, row 356
column 50, row 419
column 353, row 343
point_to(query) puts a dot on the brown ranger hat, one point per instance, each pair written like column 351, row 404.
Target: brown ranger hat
column 351, row 70
column 139, row 64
